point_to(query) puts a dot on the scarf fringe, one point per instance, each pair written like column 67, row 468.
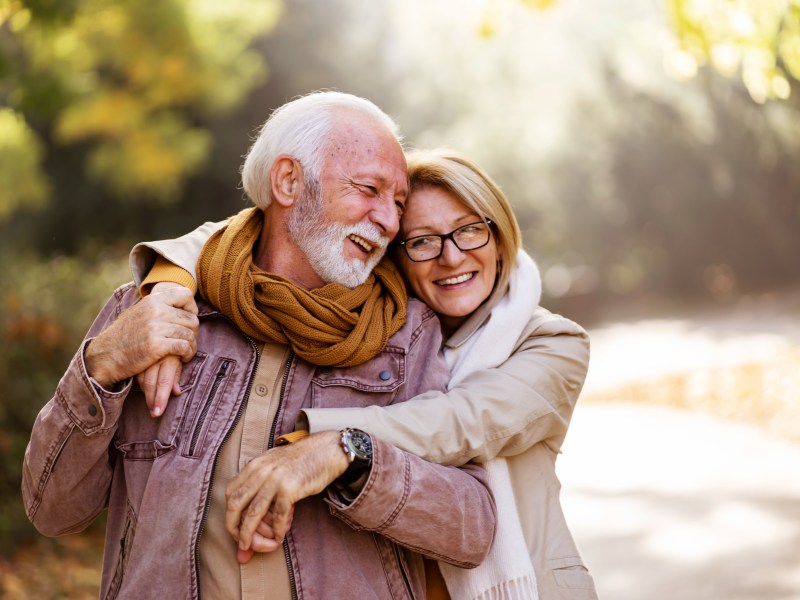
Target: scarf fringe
column 522, row 588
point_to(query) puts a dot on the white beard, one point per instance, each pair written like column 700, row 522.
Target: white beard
column 323, row 242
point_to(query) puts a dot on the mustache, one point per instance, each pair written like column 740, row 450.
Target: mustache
column 368, row 232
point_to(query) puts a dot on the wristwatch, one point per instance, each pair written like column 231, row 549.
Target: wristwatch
column 357, row 445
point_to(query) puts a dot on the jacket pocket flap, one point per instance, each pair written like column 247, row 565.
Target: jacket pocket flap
column 149, row 450
column 384, row 373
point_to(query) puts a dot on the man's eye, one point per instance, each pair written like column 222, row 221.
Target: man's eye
column 370, row 190
column 400, row 207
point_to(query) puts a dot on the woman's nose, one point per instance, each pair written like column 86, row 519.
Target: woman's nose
column 451, row 255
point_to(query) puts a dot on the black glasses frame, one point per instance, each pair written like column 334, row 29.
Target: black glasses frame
column 447, row 236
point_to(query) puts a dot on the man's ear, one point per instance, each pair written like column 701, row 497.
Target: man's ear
column 286, row 180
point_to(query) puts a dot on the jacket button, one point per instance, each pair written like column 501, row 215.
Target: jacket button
column 92, row 410
column 384, row 375
column 261, row 390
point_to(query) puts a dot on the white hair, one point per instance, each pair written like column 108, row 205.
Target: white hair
column 300, row 128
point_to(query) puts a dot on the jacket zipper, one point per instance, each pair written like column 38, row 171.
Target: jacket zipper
column 271, row 443
column 403, row 571
column 123, row 543
column 239, row 413
column 223, row 370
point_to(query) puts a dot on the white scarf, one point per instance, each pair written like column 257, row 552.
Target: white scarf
column 507, row 573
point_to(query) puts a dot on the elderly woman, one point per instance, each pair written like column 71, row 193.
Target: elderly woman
column 516, row 372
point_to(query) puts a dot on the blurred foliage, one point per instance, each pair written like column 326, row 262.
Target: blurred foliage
column 68, row 567
column 46, row 309
column 760, row 39
column 128, row 84
column 21, row 179
column 665, row 200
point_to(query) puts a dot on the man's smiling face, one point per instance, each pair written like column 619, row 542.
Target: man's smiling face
column 344, row 223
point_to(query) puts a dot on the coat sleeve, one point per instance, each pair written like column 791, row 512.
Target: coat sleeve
column 183, row 251
column 66, row 474
column 443, row 512
column 502, row 411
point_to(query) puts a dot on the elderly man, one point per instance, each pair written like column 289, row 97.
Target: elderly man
column 297, row 311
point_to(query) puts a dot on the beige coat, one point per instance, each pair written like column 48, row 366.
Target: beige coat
column 520, row 410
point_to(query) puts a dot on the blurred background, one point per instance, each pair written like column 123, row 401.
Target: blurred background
column 650, row 149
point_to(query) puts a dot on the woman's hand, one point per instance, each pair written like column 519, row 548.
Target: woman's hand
column 162, row 378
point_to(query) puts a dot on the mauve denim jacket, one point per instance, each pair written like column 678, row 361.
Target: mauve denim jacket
column 91, row 449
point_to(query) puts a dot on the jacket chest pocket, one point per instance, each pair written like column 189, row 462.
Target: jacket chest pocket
column 143, row 437
column 201, row 421
column 373, row 383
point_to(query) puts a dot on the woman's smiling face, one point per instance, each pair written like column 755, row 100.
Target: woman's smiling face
column 457, row 282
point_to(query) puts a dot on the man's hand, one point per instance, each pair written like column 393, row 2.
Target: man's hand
column 159, row 325
column 263, row 539
column 276, row 480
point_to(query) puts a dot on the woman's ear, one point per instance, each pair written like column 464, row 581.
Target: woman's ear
column 286, row 180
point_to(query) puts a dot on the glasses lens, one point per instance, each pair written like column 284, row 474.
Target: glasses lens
column 471, row 236
column 424, row 247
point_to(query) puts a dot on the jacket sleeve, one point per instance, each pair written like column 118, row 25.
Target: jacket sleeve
column 66, row 474
column 502, row 411
column 183, row 251
column 444, row 512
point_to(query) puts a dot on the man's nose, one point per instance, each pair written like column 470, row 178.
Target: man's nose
column 385, row 215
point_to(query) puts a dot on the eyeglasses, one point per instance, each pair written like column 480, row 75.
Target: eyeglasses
column 467, row 237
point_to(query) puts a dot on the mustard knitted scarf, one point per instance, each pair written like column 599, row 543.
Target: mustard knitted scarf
column 329, row 326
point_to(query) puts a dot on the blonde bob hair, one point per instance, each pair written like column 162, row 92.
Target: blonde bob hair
column 464, row 179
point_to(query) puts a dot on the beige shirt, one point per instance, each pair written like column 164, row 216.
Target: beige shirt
column 266, row 576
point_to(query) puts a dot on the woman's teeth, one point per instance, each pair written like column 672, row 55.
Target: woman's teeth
column 455, row 280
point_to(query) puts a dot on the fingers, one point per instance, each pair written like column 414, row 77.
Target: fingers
column 251, row 496
column 255, row 512
column 158, row 381
column 238, row 495
column 243, row 556
column 148, row 381
column 169, row 373
column 262, row 543
column 264, row 539
column 277, row 479
column 176, row 295
column 281, row 513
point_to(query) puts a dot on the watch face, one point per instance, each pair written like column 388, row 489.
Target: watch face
column 361, row 444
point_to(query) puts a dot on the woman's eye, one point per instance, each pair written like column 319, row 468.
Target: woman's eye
column 422, row 242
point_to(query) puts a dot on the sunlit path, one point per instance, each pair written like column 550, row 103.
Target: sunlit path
column 667, row 504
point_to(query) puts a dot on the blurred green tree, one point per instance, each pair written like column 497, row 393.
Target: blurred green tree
column 760, row 39
column 128, row 85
